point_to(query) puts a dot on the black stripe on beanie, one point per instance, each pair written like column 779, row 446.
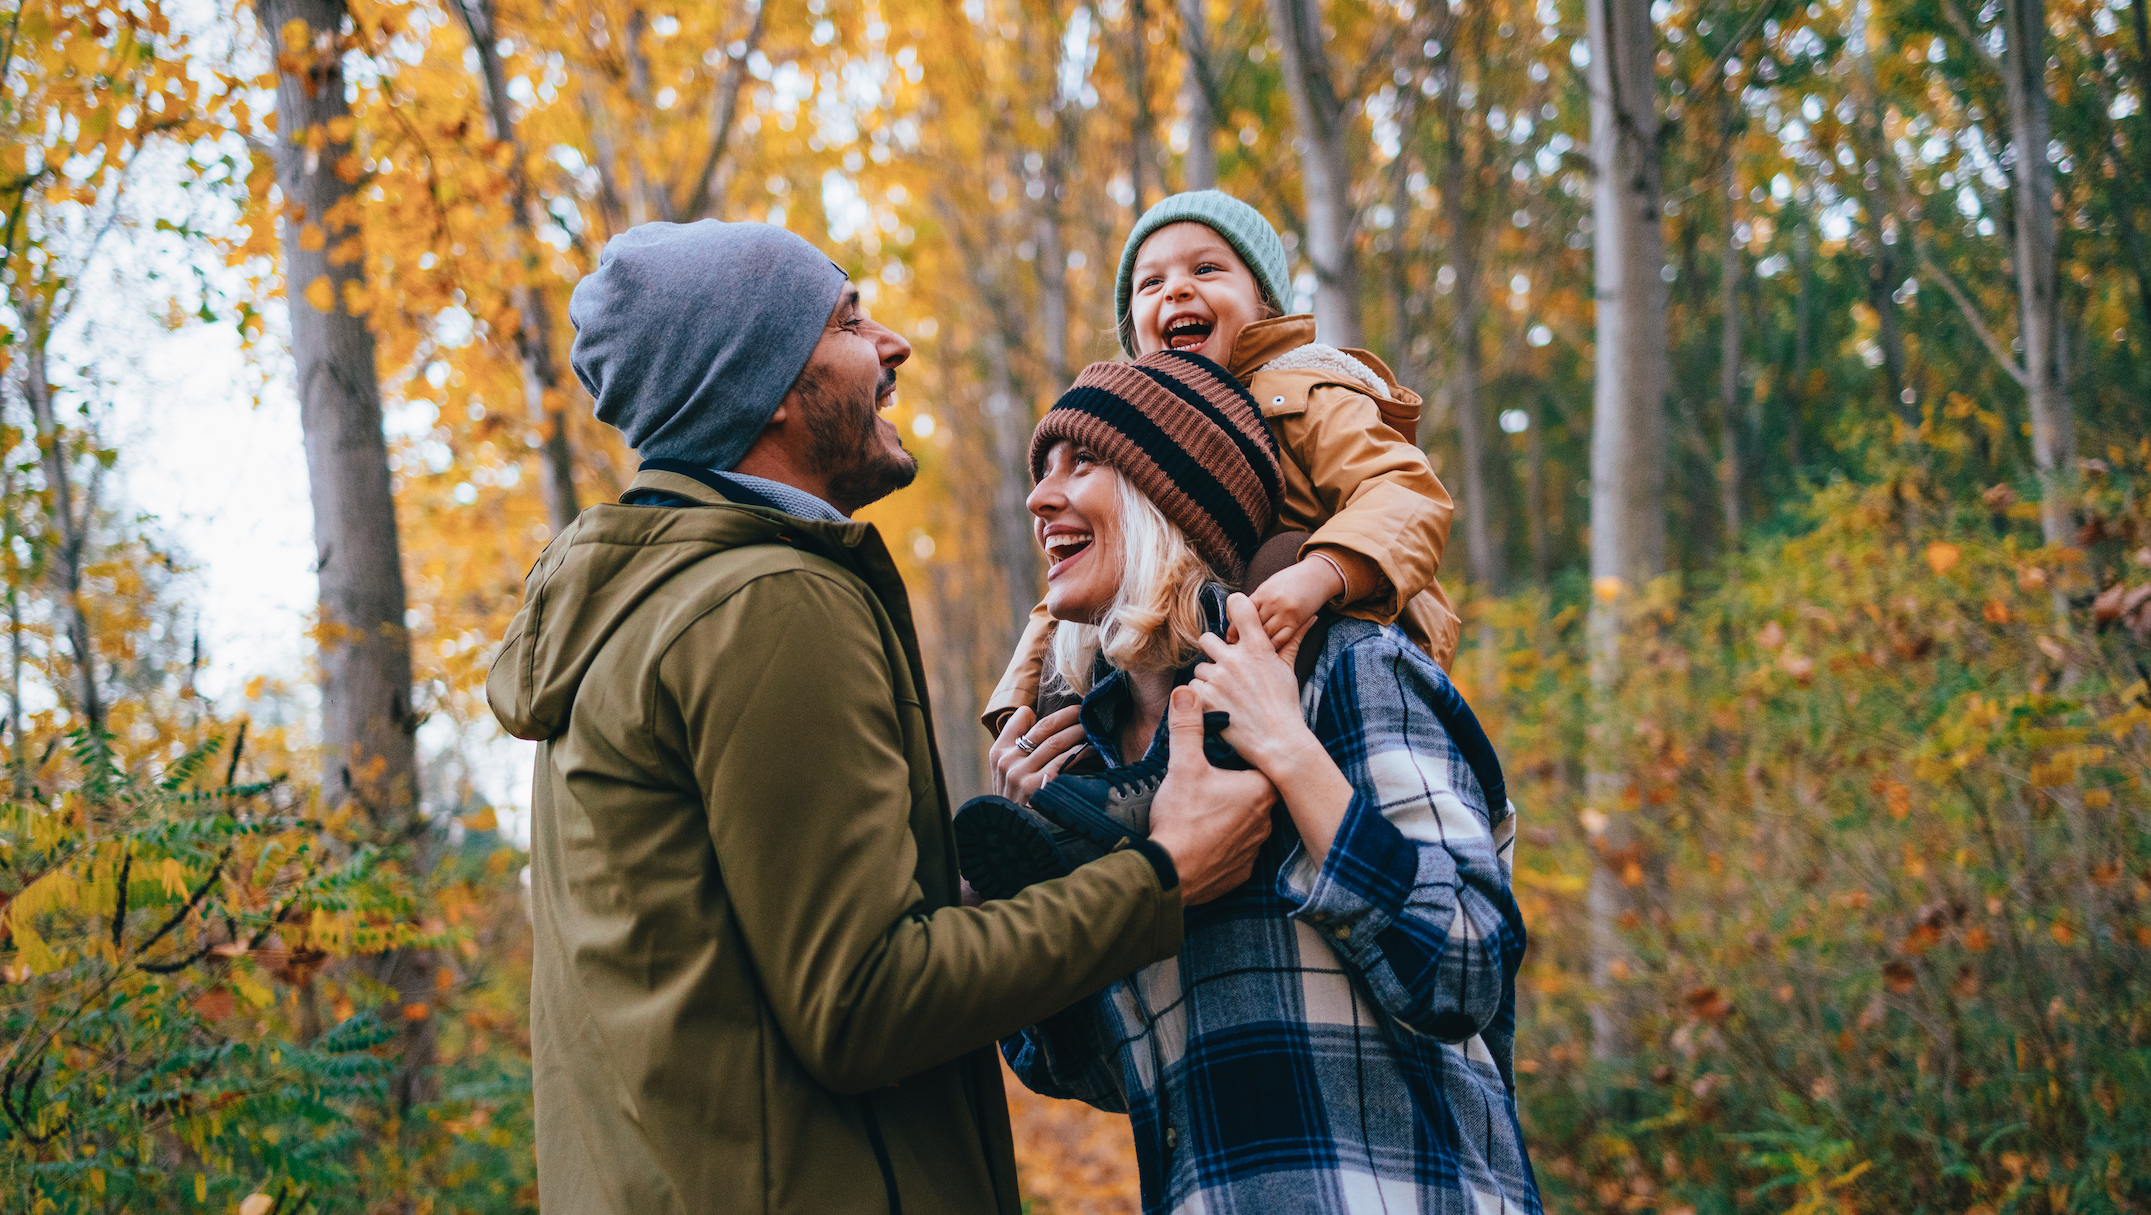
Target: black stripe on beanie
column 1261, row 455
column 1182, row 469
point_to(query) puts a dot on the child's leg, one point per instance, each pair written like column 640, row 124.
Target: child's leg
column 1432, row 624
column 1018, row 688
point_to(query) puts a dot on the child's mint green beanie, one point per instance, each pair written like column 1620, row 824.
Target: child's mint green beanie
column 1243, row 227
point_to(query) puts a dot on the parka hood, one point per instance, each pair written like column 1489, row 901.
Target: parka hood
column 594, row 575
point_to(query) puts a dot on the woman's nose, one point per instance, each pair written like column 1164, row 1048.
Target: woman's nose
column 1046, row 498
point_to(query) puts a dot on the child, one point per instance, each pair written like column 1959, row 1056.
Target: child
column 1205, row 272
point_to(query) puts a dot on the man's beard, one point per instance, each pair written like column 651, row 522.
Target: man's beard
column 843, row 443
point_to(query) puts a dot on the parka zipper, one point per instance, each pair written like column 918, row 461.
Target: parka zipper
column 881, row 1154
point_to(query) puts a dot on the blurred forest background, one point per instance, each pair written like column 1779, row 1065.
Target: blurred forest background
column 1786, row 359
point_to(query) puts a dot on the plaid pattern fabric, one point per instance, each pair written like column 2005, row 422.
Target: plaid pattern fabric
column 1333, row 1038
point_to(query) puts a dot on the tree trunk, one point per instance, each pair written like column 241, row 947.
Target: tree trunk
column 1803, row 337
column 1142, row 158
column 2030, row 129
column 1325, row 178
column 1535, row 514
column 1482, row 549
column 369, row 752
column 705, row 196
column 70, row 520
column 1627, row 455
column 1198, row 169
column 1008, row 420
column 1729, row 357
column 542, row 392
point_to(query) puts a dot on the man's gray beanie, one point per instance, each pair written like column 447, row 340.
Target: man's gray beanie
column 689, row 335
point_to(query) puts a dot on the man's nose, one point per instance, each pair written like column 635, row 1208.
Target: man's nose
column 891, row 346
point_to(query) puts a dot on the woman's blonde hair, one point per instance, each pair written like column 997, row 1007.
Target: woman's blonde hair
column 1156, row 615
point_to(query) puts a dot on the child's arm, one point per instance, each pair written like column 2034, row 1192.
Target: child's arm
column 1384, row 514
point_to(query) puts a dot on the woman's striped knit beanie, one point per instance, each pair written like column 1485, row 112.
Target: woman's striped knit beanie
column 1186, row 434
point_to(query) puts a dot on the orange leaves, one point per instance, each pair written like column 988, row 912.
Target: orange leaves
column 1943, row 556
column 1708, row 1004
column 1899, row 977
column 320, row 294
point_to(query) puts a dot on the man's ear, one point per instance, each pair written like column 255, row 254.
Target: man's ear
column 776, row 417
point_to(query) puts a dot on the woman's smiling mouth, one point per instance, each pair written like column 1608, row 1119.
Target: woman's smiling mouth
column 1062, row 548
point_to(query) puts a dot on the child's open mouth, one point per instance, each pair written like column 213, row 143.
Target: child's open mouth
column 1188, row 332
column 1064, row 547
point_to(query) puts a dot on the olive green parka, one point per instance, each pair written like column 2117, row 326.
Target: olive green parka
column 754, row 987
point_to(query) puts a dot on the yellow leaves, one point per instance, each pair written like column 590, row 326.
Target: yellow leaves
column 174, row 877
column 84, row 56
column 311, row 237
column 483, row 820
column 252, row 989
column 340, row 128
column 1608, row 589
column 320, row 295
column 358, row 300
column 201, row 1187
column 1942, row 556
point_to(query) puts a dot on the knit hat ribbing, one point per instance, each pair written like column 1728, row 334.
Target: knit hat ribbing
column 1243, row 227
column 1186, row 434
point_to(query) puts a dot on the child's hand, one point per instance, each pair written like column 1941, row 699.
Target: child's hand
column 1292, row 596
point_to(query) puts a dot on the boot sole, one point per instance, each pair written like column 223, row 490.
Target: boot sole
column 1001, row 848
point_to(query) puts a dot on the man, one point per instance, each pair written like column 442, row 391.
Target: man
column 755, row 988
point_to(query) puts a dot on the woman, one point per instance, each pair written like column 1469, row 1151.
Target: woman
column 1335, row 1035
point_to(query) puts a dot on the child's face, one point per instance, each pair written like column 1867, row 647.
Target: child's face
column 1191, row 292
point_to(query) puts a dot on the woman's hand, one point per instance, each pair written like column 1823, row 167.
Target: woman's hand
column 1250, row 680
column 1030, row 752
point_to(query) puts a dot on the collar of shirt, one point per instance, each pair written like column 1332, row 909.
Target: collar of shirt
column 789, row 498
column 1112, row 697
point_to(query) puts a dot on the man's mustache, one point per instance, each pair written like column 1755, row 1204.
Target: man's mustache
column 887, row 383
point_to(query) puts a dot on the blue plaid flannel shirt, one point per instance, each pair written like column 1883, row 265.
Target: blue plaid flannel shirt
column 1335, row 1038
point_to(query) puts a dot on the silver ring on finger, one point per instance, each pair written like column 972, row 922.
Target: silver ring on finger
column 1024, row 744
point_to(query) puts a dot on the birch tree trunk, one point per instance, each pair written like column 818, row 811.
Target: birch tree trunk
column 70, row 519
column 1325, row 178
column 369, row 754
column 542, row 390
column 2030, row 130
column 1198, row 168
column 1627, row 456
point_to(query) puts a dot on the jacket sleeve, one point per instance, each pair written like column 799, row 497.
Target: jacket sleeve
column 796, row 740
column 1383, row 500
column 1415, row 893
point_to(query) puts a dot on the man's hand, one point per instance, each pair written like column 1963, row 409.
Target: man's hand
column 1289, row 598
column 1210, row 821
